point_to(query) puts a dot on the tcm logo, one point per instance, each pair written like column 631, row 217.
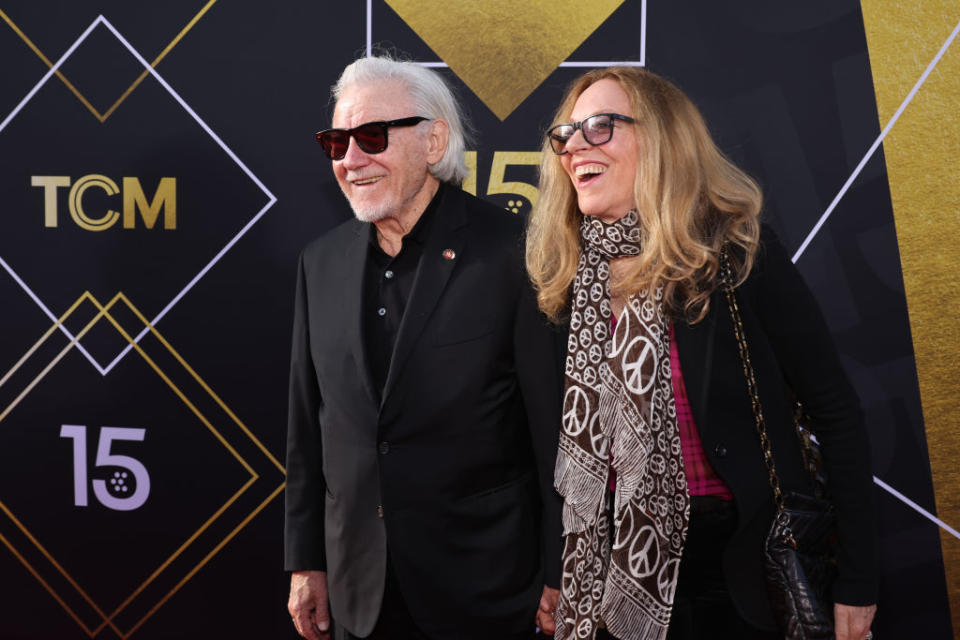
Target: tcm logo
column 164, row 202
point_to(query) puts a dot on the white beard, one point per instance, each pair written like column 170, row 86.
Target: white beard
column 370, row 213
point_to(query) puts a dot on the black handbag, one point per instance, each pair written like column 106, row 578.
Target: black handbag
column 799, row 551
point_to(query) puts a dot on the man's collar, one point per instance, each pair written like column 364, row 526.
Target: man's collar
column 418, row 233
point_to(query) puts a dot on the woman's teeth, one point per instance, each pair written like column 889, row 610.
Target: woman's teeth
column 587, row 171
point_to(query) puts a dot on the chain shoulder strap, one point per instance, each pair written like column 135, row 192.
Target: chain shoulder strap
column 727, row 280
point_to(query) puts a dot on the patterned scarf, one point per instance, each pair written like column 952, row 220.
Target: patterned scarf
column 619, row 412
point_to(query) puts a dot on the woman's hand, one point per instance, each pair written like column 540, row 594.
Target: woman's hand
column 853, row 623
column 548, row 606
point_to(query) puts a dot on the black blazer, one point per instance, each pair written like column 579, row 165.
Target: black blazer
column 452, row 471
column 790, row 347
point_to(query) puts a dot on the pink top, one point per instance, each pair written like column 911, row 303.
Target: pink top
column 702, row 480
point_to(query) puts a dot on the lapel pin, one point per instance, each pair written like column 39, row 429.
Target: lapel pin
column 449, row 254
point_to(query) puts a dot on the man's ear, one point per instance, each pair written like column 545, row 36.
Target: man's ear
column 437, row 140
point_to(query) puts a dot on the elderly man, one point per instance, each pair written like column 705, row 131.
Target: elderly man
column 424, row 392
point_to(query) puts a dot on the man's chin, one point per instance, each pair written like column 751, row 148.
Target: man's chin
column 369, row 214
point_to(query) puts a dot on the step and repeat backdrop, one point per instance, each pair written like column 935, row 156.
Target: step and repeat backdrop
column 159, row 175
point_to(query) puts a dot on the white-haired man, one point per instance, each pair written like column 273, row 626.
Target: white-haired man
column 425, row 390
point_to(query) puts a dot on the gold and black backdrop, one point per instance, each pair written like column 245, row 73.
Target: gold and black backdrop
column 158, row 176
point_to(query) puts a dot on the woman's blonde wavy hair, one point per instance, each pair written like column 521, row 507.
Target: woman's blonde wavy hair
column 690, row 198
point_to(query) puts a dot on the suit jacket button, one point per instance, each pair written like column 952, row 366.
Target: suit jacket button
column 384, row 447
column 720, row 451
column 379, row 510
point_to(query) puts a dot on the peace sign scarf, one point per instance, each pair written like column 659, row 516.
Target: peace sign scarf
column 619, row 412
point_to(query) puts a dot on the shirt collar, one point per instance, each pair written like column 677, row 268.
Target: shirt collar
column 418, row 233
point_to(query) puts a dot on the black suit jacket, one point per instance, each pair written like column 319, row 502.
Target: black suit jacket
column 790, row 347
column 452, row 470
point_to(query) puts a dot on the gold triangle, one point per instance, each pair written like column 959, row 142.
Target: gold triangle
column 504, row 49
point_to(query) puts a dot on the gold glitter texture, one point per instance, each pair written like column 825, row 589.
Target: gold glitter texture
column 923, row 163
column 504, row 49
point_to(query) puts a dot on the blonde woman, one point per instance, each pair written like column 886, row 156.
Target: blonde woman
column 666, row 496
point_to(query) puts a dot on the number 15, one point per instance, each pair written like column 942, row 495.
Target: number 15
column 105, row 459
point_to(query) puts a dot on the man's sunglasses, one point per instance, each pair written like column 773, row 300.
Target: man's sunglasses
column 371, row 137
column 597, row 130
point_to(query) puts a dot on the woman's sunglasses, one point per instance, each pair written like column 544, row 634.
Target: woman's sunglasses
column 371, row 137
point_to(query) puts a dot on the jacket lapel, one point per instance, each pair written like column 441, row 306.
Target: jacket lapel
column 355, row 261
column 695, row 345
column 442, row 251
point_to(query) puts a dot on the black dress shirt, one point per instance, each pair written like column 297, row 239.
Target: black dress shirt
column 388, row 281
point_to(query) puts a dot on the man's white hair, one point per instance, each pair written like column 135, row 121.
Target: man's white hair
column 431, row 96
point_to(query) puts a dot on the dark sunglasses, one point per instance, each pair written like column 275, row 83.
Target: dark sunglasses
column 597, row 130
column 371, row 137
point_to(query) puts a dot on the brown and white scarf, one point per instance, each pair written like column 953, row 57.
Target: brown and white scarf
column 618, row 410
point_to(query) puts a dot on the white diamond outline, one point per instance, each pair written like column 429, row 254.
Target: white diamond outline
column 876, row 143
column 271, row 198
column 826, row 214
column 566, row 63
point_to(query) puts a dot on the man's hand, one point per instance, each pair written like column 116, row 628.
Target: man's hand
column 548, row 605
column 852, row 623
column 308, row 604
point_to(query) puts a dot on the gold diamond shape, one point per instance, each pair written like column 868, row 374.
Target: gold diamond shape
column 504, row 49
column 109, row 619
column 102, row 117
